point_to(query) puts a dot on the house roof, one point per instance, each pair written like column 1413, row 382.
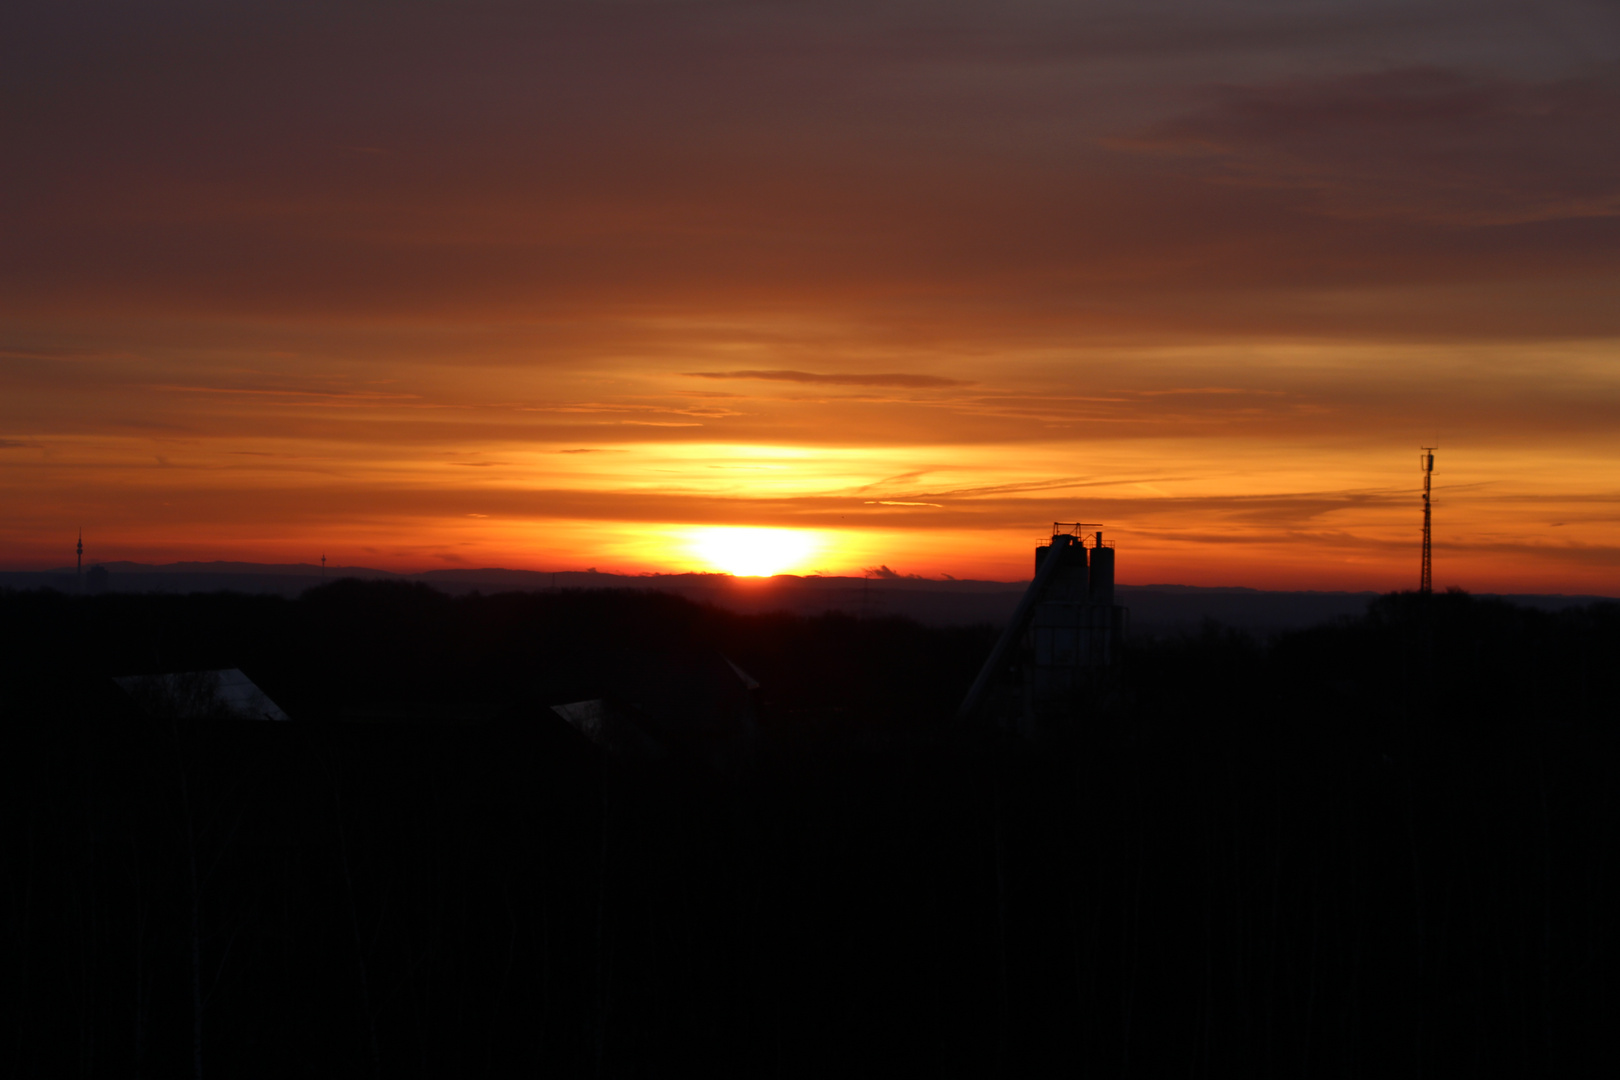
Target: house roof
column 190, row 694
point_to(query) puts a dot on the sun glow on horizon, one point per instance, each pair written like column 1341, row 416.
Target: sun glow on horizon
column 753, row 552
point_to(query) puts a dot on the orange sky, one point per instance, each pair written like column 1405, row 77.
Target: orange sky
column 557, row 286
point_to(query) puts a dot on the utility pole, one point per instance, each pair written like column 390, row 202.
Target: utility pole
column 1426, row 460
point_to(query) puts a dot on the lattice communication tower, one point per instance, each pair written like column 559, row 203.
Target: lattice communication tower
column 1426, row 461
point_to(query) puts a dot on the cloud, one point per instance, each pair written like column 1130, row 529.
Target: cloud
column 1417, row 142
column 978, row 173
column 1205, row 390
column 627, row 407
column 889, row 379
column 313, row 397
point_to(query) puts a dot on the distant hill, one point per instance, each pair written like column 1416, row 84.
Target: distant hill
column 306, row 570
column 1155, row 609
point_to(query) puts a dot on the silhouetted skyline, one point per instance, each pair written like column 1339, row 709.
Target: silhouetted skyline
column 352, row 833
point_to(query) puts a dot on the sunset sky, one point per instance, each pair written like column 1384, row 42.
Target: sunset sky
column 557, row 285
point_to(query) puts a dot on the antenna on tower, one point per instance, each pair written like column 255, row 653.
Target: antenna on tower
column 1426, row 462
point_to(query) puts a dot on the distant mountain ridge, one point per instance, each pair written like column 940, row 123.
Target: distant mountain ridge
column 498, row 573
column 495, row 574
column 222, row 567
column 1154, row 608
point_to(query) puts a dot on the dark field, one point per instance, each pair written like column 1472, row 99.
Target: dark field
column 1383, row 847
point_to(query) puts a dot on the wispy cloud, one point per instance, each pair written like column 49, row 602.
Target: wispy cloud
column 1416, row 142
column 319, row 397
column 895, row 379
column 628, row 407
column 1208, row 390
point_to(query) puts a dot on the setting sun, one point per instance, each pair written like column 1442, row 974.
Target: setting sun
column 753, row 552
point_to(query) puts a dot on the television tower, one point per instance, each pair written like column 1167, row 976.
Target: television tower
column 1426, row 461
column 78, row 570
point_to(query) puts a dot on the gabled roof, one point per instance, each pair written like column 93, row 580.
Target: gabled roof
column 193, row 694
column 748, row 681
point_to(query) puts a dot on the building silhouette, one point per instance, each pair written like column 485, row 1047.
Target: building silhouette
column 1064, row 636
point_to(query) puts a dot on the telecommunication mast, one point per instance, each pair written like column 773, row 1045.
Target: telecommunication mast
column 1426, row 461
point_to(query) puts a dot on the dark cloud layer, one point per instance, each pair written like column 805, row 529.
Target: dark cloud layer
column 1425, row 144
column 1090, row 170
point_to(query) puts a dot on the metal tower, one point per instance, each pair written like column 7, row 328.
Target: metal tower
column 78, row 570
column 1426, row 462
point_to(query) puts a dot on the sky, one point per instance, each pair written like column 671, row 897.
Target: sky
column 812, row 287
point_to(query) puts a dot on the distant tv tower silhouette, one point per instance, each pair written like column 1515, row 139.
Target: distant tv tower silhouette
column 1426, row 461
column 323, row 566
column 78, row 570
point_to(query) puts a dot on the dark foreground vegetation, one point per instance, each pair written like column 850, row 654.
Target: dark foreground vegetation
column 1383, row 848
